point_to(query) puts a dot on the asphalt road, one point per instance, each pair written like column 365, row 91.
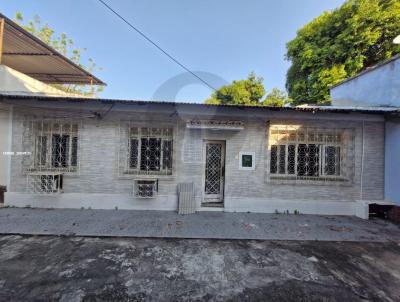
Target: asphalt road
column 53, row 268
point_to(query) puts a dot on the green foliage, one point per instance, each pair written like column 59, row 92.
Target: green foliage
column 247, row 92
column 242, row 92
column 65, row 46
column 340, row 44
column 276, row 98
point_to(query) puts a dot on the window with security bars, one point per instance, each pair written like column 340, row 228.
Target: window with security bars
column 150, row 151
column 45, row 183
column 309, row 153
column 53, row 145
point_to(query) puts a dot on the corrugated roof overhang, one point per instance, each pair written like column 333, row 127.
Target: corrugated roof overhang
column 200, row 106
column 26, row 53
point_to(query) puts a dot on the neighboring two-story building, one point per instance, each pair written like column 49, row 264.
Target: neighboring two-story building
column 378, row 86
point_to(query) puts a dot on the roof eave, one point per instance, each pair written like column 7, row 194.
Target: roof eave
column 52, row 52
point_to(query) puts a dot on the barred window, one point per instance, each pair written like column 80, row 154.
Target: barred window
column 150, row 151
column 298, row 152
column 39, row 183
column 54, row 145
column 146, row 188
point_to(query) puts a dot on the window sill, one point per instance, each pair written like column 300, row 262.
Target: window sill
column 312, row 181
column 44, row 171
column 128, row 175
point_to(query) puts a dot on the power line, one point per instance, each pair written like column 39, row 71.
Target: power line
column 156, row 45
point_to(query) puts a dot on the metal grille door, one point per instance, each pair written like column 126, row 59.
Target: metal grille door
column 214, row 171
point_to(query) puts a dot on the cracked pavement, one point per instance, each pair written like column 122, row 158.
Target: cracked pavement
column 54, row 268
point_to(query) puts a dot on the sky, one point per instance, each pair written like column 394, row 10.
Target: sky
column 221, row 41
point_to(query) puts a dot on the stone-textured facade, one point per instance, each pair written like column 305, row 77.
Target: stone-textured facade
column 100, row 184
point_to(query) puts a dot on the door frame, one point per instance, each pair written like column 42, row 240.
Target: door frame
column 204, row 201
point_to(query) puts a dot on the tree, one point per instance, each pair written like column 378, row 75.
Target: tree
column 65, row 46
column 277, row 98
column 242, row 92
column 248, row 92
column 339, row 44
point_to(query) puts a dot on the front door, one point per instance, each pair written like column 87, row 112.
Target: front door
column 214, row 172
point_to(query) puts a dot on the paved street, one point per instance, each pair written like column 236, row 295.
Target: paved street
column 51, row 268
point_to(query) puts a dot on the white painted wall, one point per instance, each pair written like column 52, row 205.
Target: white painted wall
column 170, row 203
column 392, row 161
column 377, row 87
column 13, row 82
column 98, row 184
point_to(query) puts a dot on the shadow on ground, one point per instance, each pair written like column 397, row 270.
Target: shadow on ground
column 50, row 268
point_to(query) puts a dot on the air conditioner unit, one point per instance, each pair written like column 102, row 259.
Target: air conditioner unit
column 144, row 188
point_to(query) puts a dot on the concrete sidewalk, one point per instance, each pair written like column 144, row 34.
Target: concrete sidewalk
column 210, row 225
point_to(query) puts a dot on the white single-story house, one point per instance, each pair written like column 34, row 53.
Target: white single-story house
column 64, row 151
column 107, row 154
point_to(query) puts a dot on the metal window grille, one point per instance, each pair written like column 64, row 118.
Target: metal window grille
column 310, row 153
column 146, row 151
column 52, row 144
column 145, row 188
column 213, row 173
column 45, row 183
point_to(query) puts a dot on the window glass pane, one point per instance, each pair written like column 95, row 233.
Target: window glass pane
column 247, row 160
column 307, row 160
column 41, row 150
column 274, row 159
column 59, row 150
column 282, row 158
column 332, row 160
column 133, row 153
column 150, row 154
column 291, row 159
column 74, row 151
column 167, row 155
